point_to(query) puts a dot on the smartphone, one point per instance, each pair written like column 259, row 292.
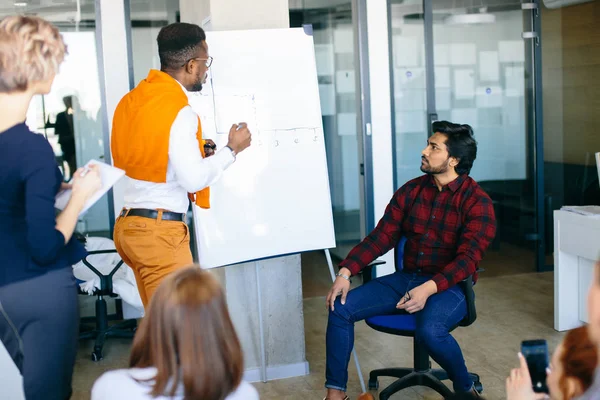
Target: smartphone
column 536, row 355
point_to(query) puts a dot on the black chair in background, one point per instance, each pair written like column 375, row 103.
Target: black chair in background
column 101, row 328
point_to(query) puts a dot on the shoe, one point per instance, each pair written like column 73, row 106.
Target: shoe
column 472, row 394
column 366, row 396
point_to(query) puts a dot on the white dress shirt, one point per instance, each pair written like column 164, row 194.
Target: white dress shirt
column 125, row 384
column 187, row 171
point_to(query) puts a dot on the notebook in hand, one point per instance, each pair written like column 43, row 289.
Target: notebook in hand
column 109, row 174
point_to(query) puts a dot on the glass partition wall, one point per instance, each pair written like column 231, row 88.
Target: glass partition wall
column 471, row 65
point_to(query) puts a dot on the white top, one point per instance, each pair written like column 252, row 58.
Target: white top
column 122, row 384
column 187, row 171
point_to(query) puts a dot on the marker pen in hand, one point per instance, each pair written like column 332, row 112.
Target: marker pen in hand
column 86, row 169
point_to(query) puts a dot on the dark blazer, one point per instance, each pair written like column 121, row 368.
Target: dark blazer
column 30, row 244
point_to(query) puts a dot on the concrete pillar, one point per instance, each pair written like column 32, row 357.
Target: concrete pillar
column 280, row 278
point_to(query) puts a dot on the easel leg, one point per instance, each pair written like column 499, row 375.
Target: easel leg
column 360, row 377
column 263, row 358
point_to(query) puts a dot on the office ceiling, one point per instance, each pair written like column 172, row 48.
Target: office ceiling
column 156, row 9
column 145, row 9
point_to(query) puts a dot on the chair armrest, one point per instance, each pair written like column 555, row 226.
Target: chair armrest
column 368, row 273
column 467, row 287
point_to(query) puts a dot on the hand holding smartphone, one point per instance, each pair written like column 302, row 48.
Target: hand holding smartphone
column 536, row 355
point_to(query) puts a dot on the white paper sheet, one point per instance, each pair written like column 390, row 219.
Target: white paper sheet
column 441, row 54
column 324, row 59
column 343, row 40
column 346, row 124
column 246, row 220
column 411, row 100
column 344, row 81
column 511, row 51
column 406, row 52
column 588, row 211
column 442, row 77
column 463, row 54
column 443, row 99
column 109, row 174
column 515, row 81
column 489, row 67
column 410, row 122
column 464, row 84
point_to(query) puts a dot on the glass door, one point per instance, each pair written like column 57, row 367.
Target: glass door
column 472, row 65
column 335, row 55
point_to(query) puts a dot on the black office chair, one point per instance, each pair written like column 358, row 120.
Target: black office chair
column 421, row 373
column 124, row 329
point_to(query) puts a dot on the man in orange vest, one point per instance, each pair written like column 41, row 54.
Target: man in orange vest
column 157, row 140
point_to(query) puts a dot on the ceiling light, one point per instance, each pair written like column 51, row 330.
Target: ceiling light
column 20, row 4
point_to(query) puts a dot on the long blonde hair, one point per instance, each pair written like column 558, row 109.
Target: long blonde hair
column 31, row 50
column 188, row 336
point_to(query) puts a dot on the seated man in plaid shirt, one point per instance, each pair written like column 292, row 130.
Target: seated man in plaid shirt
column 449, row 222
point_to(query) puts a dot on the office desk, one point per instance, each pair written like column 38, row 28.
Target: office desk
column 576, row 248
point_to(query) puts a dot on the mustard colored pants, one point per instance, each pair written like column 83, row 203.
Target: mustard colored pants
column 153, row 248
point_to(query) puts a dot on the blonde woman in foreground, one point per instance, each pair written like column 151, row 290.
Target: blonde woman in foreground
column 39, row 312
column 186, row 347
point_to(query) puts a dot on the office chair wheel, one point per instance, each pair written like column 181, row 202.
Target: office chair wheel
column 374, row 385
column 478, row 386
column 97, row 355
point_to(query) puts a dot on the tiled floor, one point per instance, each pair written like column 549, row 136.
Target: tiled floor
column 511, row 308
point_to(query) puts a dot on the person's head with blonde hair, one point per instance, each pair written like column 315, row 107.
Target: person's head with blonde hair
column 31, row 50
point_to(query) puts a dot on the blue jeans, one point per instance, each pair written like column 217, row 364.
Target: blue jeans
column 442, row 312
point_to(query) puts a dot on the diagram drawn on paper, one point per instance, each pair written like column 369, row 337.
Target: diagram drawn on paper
column 218, row 112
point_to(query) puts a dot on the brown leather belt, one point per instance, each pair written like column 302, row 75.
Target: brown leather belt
column 152, row 214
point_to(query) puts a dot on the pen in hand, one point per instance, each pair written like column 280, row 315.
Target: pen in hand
column 86, row 169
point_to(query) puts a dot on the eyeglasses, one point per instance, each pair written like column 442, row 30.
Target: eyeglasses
column 208, row 61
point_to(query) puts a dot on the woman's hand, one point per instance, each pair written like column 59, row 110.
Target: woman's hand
column 85, row 184
column 519, row 386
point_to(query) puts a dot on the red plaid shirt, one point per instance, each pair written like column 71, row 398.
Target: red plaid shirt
column 447, row 231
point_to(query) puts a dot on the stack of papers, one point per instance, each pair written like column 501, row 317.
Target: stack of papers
column 589, row 211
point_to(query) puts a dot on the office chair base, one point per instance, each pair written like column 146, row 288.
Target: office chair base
column 124, row 329
column 408, row 377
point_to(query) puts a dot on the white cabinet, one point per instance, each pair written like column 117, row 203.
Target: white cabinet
column 576, row 249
